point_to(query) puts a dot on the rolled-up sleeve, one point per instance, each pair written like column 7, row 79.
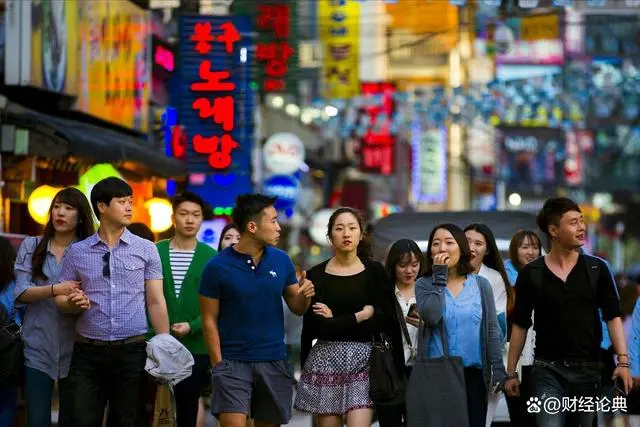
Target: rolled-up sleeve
column 153, row 269
column 69, row 272
column 23, row 268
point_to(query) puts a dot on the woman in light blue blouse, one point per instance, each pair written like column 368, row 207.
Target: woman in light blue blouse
column 450, row 292
column 8, row 393
column 49, row 335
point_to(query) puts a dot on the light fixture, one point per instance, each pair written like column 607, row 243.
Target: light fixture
column 277, row 101
column 292, row 110
column 515, row 199
column 160, row 211
column 331, row 110
column 39, row 203
column 307, row 116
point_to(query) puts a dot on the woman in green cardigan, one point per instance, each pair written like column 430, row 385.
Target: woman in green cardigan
column 183, row 260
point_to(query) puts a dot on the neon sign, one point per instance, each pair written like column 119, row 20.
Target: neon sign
column 164, row 58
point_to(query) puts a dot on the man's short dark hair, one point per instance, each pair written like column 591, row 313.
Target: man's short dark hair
column 108, row 189
column 552, row 212
column 188, row 196
column 250, row 207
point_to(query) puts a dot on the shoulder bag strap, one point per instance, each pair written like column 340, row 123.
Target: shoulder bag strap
column 403, row 323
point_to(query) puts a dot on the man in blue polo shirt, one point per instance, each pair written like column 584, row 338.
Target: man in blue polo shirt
column 243, row 321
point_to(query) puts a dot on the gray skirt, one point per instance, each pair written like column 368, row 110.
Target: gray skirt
column 335, row 378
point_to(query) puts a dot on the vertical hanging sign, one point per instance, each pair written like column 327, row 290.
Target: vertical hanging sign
column 276, row 53
column 214, row 93
column 339, row 23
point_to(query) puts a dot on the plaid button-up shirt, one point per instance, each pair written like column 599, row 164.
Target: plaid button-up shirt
column 118, row 308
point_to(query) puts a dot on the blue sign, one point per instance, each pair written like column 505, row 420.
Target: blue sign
column 221, row 187
column 285, row 187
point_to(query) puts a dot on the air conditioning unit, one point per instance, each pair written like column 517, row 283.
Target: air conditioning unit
column 310, row 54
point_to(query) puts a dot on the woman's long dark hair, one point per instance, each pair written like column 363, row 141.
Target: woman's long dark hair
column 364, row 247
column 230, row 226
column 85, row 228
column 492, row 259
column 516, row 242
column 398, row 252
column 7, row 262
column 464, row 265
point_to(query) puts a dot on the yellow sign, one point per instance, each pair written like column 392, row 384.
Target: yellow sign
column 423, row 17
column 54, row 45
column 339, row 23
column 540, row 27
column 115, row 75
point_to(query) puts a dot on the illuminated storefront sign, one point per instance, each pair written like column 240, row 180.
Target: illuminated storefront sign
column 275, row 54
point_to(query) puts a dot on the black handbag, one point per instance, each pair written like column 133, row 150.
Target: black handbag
column 11, row 351
column 386, row 387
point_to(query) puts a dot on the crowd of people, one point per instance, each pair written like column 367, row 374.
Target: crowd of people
column 89, row 300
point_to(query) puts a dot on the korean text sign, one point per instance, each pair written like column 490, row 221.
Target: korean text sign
column 339, row 22
column 275, row 55
column 213, row 91
column 215, row 102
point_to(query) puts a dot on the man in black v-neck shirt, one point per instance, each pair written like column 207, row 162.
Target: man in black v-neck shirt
column 566, row 290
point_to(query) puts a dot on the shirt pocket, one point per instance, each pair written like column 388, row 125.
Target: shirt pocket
column 133, row 271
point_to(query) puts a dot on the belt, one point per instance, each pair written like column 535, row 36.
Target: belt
column 580, row 364
column 100, row 343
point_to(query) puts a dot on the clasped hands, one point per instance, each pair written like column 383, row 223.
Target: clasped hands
column 76, row 297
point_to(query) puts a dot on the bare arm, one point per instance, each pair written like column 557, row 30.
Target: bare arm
column 157, row 306
column 616, row 333
column 41, row 293
column 516, row 345
column 209, row 309
column 74, row 303
column 296, row 300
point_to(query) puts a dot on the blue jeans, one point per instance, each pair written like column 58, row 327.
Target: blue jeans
column 38, row 390
column 556, row 380
column 8, row 404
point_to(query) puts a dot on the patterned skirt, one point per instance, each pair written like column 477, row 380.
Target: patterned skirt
column 335, row 378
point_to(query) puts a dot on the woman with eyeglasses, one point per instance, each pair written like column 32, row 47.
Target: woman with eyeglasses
column 48, row 334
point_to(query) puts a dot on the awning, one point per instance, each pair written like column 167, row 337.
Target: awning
column 97, row 144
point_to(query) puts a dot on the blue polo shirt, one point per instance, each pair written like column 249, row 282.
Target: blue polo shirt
column 251, row 318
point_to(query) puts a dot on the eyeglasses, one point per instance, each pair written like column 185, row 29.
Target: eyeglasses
column 106, row 271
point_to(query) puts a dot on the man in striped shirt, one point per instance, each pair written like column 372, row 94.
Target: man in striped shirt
column 183, row 259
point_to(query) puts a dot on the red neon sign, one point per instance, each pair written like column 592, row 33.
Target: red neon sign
column 376, row 151
column 219, row 109
column 275, row 54
column 164, row 58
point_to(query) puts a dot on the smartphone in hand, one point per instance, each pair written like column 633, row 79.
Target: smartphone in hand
column 413, row 311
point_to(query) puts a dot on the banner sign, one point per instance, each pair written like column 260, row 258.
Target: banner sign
column 429, row 169
column 54, row 46
column 339, row 24
column 276, row 53
column 215, row 104
column 115, row 74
